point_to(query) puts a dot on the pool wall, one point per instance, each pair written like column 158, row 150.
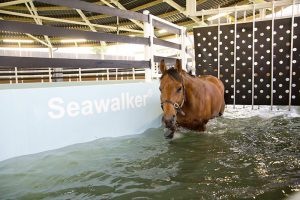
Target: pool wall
column 41, row 117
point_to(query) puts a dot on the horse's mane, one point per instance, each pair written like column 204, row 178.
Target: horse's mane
column 173, row 73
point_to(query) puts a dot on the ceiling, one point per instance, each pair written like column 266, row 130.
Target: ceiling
column 40, row 13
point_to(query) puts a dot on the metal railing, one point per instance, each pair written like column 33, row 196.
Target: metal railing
column 10, row 76
column 55, row 69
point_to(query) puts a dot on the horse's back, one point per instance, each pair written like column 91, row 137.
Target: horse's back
column 217, row 82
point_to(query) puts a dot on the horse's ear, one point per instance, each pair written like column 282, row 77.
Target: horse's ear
column 178, row 66
column 162, row 66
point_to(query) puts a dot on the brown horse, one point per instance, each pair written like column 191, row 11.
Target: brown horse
column 189, row 101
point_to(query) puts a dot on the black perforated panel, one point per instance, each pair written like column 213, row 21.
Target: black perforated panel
column 226, row 60
column 296, row 64
column 206, row 60
column 244, row 64
column 282, row 45
column 207, row 57
column 262, row 63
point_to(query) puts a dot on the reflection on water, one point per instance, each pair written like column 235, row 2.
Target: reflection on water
column 239, row 157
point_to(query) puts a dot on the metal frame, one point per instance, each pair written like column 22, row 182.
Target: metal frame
column 148, row 40
column 254, row 7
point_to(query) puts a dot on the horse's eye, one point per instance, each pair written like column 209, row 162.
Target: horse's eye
column 179, row 89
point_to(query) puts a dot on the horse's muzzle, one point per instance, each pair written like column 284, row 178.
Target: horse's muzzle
column 169, row 134
column 169, row 122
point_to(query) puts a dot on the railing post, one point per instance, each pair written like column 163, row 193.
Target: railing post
column 16, row 75
column 183, row 48
column 148, row 48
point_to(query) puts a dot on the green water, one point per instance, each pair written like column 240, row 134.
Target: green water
column 238, row 157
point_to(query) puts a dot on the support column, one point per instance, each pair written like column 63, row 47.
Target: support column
column 148, row 48
column 191, row 7
column 57, row 72
column 183, row 48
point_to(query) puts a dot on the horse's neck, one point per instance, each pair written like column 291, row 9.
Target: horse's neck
column 190, row 81
column 194, row 86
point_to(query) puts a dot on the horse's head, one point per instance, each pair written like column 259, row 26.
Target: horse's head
column 172, row 94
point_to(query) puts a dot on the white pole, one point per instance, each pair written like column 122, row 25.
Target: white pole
column 148, row 52
column 272, row 54
column 253, row 54
column 219, row 44
column 291, row 56
column 183, row 48
column 20, row 52
column 234, row 57
column 49, row 74
column 16, row 75
column 191, row 6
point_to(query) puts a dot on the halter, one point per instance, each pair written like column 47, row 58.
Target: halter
column 177, row 107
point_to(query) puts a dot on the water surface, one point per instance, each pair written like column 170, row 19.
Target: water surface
column 243, row 155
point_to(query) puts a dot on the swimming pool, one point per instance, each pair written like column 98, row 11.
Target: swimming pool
column 243, row 155
column 42, row 117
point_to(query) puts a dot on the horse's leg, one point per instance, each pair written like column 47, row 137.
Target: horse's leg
column 202, row 126
column 222, row 109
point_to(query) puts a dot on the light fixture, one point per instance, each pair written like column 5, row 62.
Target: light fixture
column 73, row 40
column 17, row 41
column 162, row 31
column 217, row 16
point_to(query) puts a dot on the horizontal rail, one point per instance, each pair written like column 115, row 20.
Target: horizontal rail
column 96, row 69
column 166, row 27
column 163, row 21
column 44, row 71
column 34, row 29
column 91, row 7
column 37, row 62
column 166, row 43
column 71, row 75
column 167, row 60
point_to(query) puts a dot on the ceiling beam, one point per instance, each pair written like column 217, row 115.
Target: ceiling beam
column 68, row 21
column 13, row 3
column 38, row 21
column 33, row 37
column 120, row 6
column 184, row 12
column 147, row 5
column 37, row 39
column 89, row 24
column 44, row 8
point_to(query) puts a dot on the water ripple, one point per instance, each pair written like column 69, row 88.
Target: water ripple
column 257, row 156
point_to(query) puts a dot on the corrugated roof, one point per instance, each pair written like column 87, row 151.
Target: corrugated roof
column 156, row 7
